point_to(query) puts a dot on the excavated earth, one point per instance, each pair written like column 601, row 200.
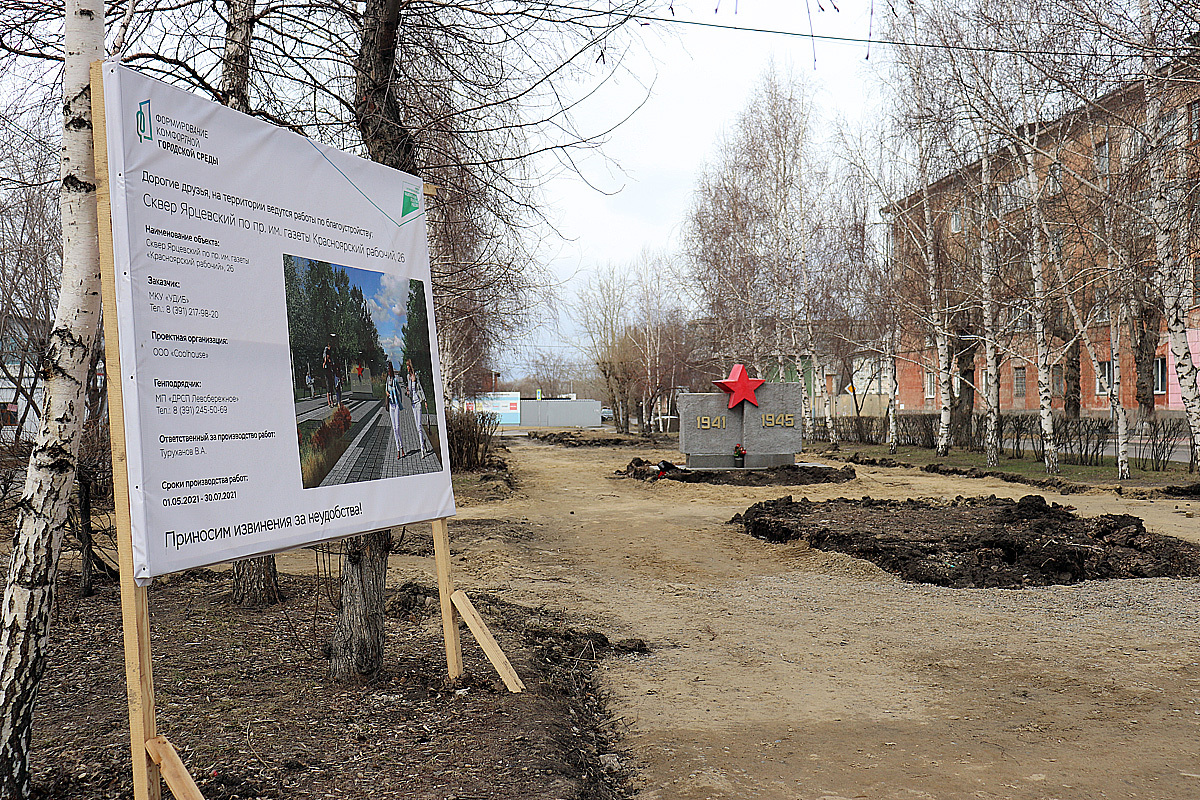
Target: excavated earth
column 786, row 475
column 979, row 542
column 598, row 439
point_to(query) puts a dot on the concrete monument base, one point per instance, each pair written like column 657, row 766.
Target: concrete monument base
column 752, row 461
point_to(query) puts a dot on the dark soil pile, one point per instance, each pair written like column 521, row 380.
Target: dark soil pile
column 1057, row 484
column 589, row 439
column 867, row 461
column 786, row 475
column 1191, row 490
column 243, row 695
column 977, row 542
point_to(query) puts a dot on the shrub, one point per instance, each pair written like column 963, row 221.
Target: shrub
column 917, row 430
column 1160, row 436
column 470, row 436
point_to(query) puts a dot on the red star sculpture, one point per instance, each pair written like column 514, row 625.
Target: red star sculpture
column 740, row 386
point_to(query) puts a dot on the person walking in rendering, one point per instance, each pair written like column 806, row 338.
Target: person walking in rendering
column 393, row 395
column 416, row 394
column 328, row 367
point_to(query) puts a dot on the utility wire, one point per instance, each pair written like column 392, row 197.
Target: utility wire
column 632, row 15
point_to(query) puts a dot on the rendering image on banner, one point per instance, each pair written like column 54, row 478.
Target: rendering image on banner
column 362, row 374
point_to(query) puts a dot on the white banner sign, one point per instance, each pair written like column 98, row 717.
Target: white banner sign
column 279, row 363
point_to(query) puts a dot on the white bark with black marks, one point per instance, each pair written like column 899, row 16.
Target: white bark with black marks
column 42, row 514
column 944, row 367
column 991, row 321
column 1114, row 394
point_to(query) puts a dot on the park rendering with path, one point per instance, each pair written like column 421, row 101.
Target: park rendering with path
column 371, row 454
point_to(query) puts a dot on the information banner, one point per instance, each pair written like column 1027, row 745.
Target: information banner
column 505, row 405
column 278, row 358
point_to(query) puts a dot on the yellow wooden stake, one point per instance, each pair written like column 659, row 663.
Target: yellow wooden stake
column 441, row 554
column 135, row 611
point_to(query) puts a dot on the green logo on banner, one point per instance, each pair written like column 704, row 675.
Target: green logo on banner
column 145, row 125
column 411, row 202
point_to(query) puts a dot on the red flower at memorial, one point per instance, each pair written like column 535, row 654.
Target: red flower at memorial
column 740, row 386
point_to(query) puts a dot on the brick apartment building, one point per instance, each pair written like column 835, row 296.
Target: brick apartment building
column 1091, row 185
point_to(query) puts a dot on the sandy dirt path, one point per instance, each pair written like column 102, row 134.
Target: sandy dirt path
column 784, row 672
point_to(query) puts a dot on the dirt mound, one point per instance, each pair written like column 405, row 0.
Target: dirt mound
column 591, row 439
column 1057, row 484
column 977, row 542
column 867, row 461
column 1191, row 490
column 786, row 475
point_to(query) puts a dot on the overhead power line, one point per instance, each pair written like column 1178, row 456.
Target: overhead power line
column 969, row 48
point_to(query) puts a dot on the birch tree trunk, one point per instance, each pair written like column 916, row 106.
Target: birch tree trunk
column 823, row 394
column 944, row 384
column 1114, row 394
column 991, row 320
column 937, row 318
column 41, row 519
column 1041, row 322
column 1170, row 272
column 1185, row 366
column 893, row 398
column 255, row 580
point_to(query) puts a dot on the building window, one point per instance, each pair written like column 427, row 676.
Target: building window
column 1018, row 381
column 1103, row 377
column 1056, row 246
column 1144, row 205
column 1022, row 316
column 930, row 384
column 1194, row 122
column 1101, row 312
column 1058, row 384
column 1054, row 178
column 1196, row 280
column 1101, row 156
column 1012, row 195
column 1134, row 146
column 1170, row 128
column 956, row 221
column 1160, row 376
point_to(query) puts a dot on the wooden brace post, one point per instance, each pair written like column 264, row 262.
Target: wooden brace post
column 490, row 648
column 178, row 779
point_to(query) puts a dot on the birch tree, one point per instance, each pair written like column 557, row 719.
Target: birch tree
column 923, row 116
column 41, row 520
column 750, row 238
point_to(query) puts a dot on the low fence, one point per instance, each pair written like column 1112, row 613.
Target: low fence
column 560, row 413
column 1086, row 441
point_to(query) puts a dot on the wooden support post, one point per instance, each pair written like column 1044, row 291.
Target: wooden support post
column 135, row 611
column 178, row 779
column 491, row 648
column 441, row 554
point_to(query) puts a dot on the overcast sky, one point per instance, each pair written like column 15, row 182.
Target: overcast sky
column 692, row 82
